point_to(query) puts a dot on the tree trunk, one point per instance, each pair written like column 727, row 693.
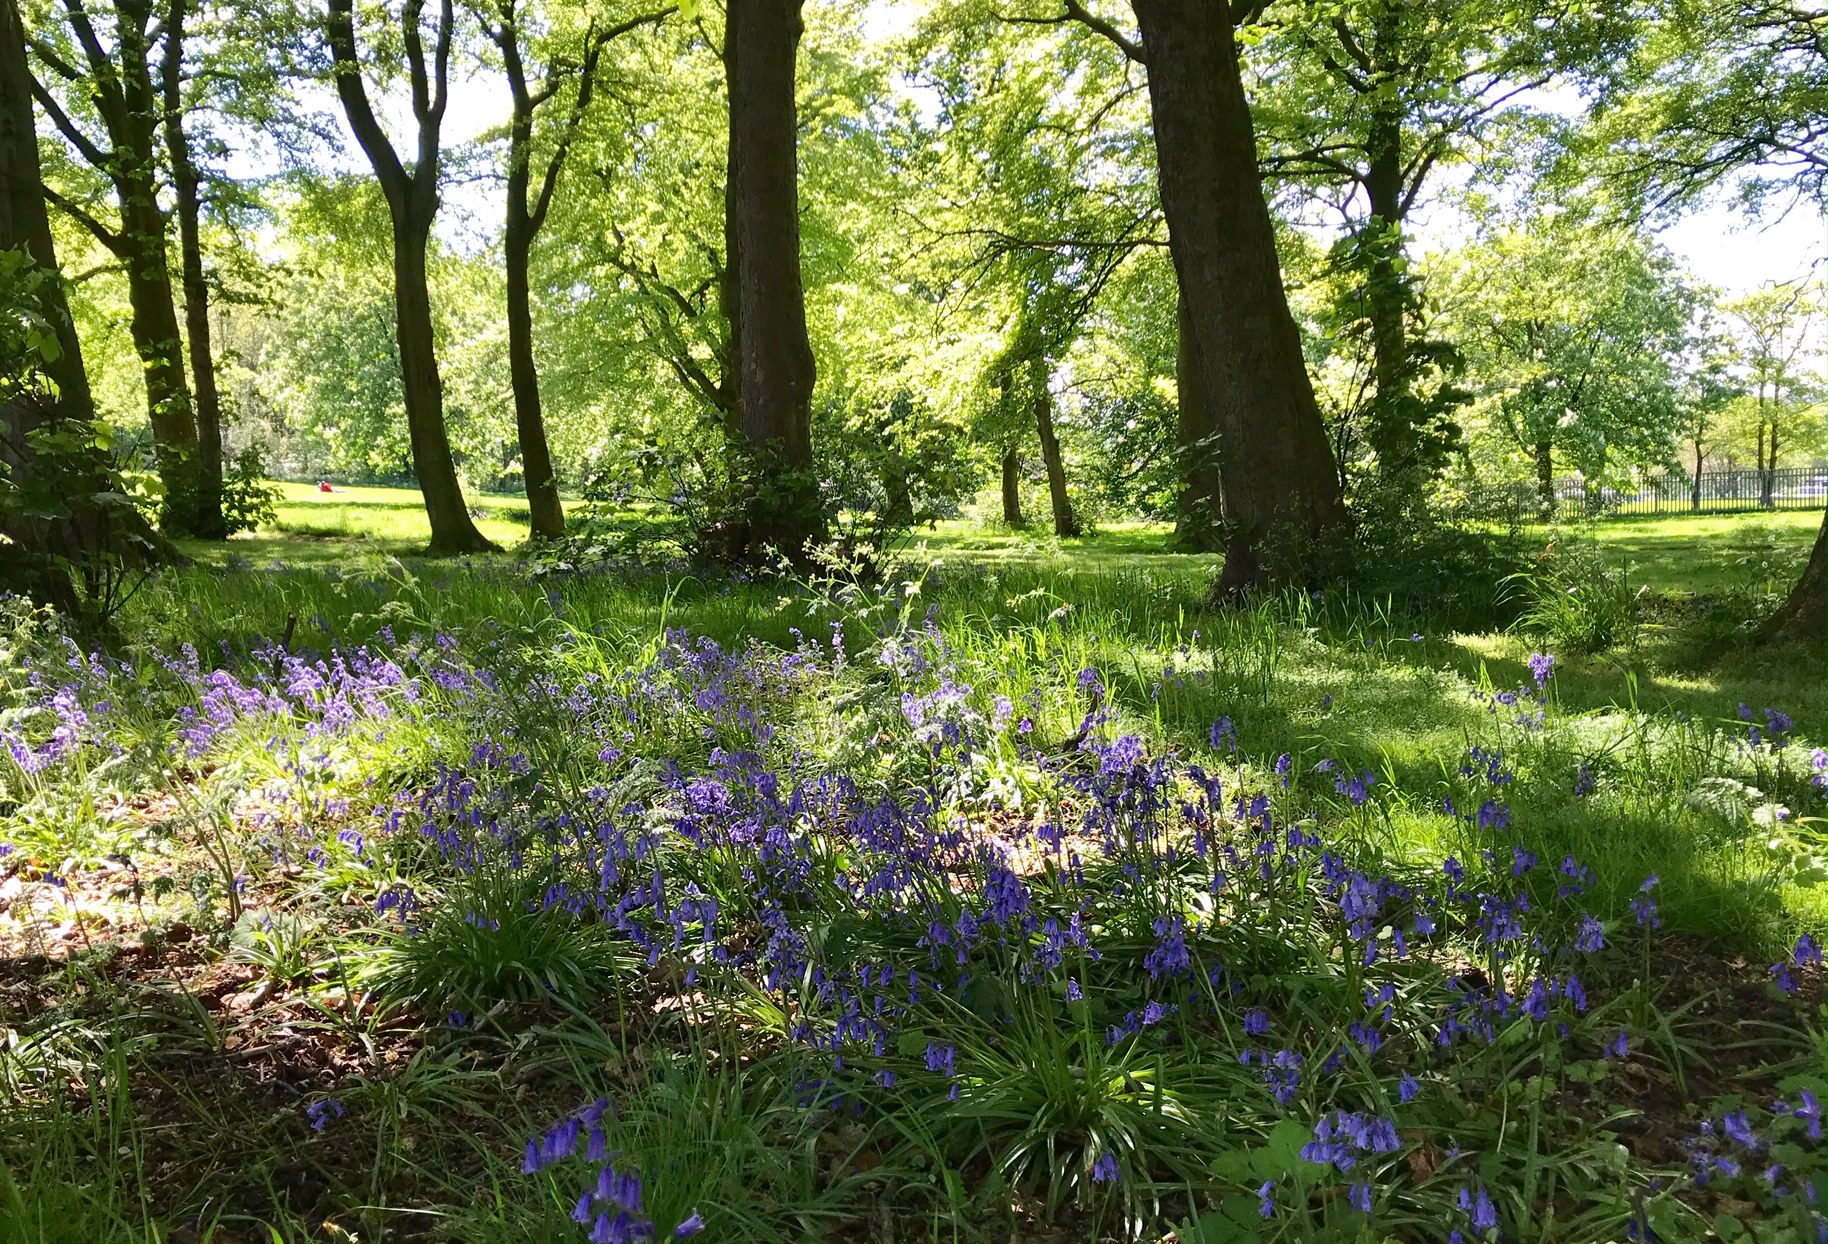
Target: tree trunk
column 1392, row 433
column 1281, row 488
column 412, row 202
column 1803, row 618
column 1066, row 523
column 1767, row 479
column 1012, row 488
column 1694, row 487
column 154, row 319
column 423, row 389
column 1199, row 504
column 210, row 523
column 774, row 356
column 1545, row 479
column 120, row 88
column 546, row 512
column 38, row 553
column 525, row 217
column 153, row 326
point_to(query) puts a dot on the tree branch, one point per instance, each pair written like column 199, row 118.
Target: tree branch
column 100, row 159
column 1076, row 11
column 354, row 96
column 106, row 236
column 586, row 82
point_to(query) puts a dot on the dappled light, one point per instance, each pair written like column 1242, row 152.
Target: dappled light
column 1068, row 621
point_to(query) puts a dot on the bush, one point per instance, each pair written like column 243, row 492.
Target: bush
column 1573, row 599
column 248, row 501
column 1453, row 574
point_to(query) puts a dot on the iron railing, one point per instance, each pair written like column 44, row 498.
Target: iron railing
column 1674, row 492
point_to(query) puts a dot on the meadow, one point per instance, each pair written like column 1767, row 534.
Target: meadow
column 1023, row 895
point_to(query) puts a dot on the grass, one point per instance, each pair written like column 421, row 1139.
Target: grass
column 1709, row 554
column 1030, row 899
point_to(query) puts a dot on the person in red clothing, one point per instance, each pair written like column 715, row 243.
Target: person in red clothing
column 323, row 485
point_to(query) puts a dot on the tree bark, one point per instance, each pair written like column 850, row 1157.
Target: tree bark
column 1012, row 487
column 1545, row 478
column 1803, row 617
column 186, row 182
column 38, row 553
column 1281, row 488
column 1066, row 523
column 1767, row 479
column 1694, row 487
column 1199, row 504
column 526, row 216
column 119, row 82
column 433, row 464
column 545, row 512
column 1392, row 432
column 775, row 362
column 412, row 202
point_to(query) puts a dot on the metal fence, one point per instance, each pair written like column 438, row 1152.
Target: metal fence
column 1712, row 492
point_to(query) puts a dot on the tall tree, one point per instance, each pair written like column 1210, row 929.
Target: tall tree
column 1575, row 333
column 110, row 83
column 1724, row 93
column 412, row 202
column 775, row 365
column 527, row 210
column 57, row 510
column 1043, row 179
column 1280, row 486
column 1776, row 333
column 1707, row 390
column 186, row 182
column 1361, row 105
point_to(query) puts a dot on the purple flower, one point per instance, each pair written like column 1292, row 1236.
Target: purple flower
column 321, row 1112
column 1407, row 1089
column 1644, row 907
column 1224, row 734
column 1266, row 1201
column 1739, row 1129
column 1811, row 1113
column 1169, row 956
column 1542, row 666
column 1104, row 1169
column 1359, row 1197
column 691, row 1226
column 1479, row 1208
column 1807, row 951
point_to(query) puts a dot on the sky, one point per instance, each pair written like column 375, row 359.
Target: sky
column 1724, row 249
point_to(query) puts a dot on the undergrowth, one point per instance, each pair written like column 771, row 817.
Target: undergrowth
column 479, row 904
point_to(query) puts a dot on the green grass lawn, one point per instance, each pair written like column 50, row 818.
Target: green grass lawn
column 1695, row 556
column 1711, row 553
